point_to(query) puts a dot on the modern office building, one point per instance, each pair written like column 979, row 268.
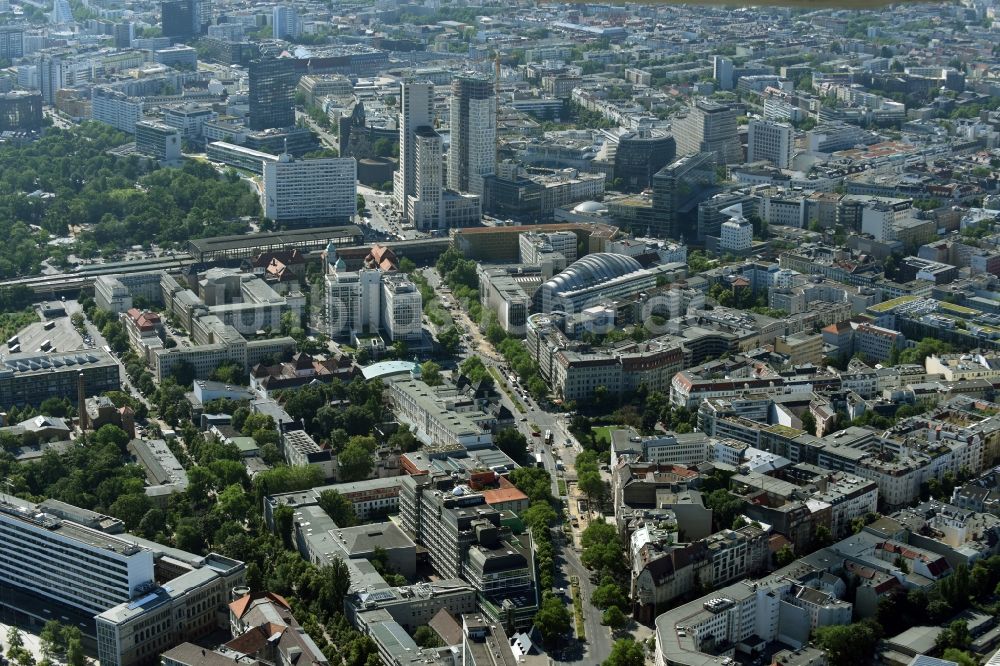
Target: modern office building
column 472, row 152
column 240, row 157
column 437, row 416
column 76, row 561
column 158, row 141
column 20, row 111
column 736, row 233
column 285, row 23
column 29, row 378
column 178, row 56
column 416, row 111
column 464, row 539
column 68, row 562
column 310, row 192
column 424, row 205
column 596, row 278
column 640, row 155
column 272, row 93
column 536, row 248
column 709, row 127
column 677, row 190
column 177, row 18
column 722, row 72
column 11, row 42
column 772, row 141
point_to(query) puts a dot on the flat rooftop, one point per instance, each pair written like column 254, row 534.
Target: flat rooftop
column 288, row 238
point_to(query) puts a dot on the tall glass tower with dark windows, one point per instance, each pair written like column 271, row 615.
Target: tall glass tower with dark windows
column 272, row 93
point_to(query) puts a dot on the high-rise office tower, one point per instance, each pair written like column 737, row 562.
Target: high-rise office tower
column 272, row 93
column 677, row 190
column 425, row 202
column 640, row 155
column 722, row 72
column 61, row 12
column 285, row 22
column 472, row 153
column 177, row 19
column 772, row 141
column 709, row 127
column 416, row 111
column 11, row 42
column 201, row 16
column 50, row 77
column 124, row 34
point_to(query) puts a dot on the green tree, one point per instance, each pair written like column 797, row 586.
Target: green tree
column 426, row 637
column 960, row 657
column 283, row 516
column 809, row 422
column 552, row 619
column 74, row 653
column 339, row 508
column 608, row 594
column 626, row 652
column 355, row 462
column 512, row 442
column 430, row 373
column 614, row 618
column 849, row 645
column 784, row 556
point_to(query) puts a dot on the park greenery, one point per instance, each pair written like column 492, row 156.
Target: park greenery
column 68, row 181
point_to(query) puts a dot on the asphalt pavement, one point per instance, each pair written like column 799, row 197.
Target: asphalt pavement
column 597, row 646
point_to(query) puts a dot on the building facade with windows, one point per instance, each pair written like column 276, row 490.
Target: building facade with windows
column 310, row 191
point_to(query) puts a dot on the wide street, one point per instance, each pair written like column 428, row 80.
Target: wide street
column 564, row 448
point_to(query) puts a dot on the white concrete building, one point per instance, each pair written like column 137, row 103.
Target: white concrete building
column 416, row 111
column 424, row 204
column 285, row 23
column 771, row 141
column 369, row 301
column 310, row 191
column 737, row 232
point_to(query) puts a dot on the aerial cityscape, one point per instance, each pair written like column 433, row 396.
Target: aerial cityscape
column 472, row 333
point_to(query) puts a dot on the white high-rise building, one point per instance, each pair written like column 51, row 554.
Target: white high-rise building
column 285, row 23
column 310, row 191
column 771, row 141
column 369, row 301
column 424, row 204
column 416, row 105
column 61, row 12
column 472, row 152
column 722, row 72
column 402, row 307
column 736, row 232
